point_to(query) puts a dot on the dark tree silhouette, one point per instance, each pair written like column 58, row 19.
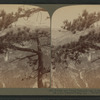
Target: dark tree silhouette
column 73, row 50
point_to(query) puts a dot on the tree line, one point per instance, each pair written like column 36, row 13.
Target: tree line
column 83, row 21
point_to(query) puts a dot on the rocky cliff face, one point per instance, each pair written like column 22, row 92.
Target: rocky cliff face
column 84, row 75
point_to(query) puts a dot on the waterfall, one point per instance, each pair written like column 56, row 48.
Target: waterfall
column 6, row 56
column 90, row 56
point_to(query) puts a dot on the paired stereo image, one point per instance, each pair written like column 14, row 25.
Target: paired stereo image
column 42, row 51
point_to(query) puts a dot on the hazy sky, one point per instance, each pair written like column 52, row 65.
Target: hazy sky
column 37, row 19
column 70, row 13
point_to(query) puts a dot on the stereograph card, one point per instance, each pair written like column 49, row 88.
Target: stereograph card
column 51, row 49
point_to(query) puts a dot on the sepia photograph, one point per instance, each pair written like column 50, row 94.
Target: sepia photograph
column 75, row 40
column 24, row 46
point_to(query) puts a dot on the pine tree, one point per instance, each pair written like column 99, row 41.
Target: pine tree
column 15, row 38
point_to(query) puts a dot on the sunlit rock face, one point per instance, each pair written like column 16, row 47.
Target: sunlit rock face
column 83, row 75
